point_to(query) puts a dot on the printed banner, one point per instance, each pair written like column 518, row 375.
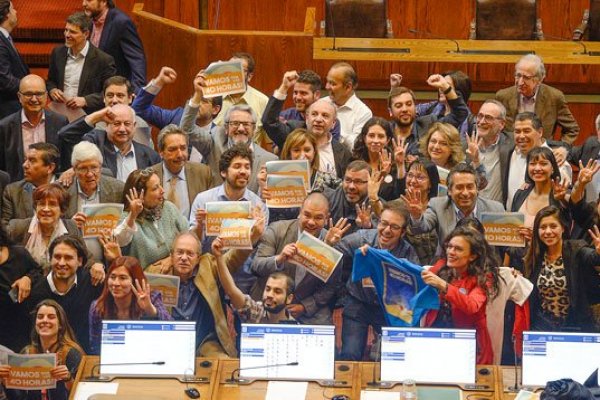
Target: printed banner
column 285, row 191
column 299, row 168
column 316, row 256
column 30, row 371
column 101, row 219
column 223, row 78
column 402, row 293
column 167, row 285
column 502, row 229
column 236, row 233
column 217, row 211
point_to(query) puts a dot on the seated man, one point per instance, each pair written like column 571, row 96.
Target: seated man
column 277, row 246
column 70, row 284
column 199, row 299
column 276, row 297
column 529, row 94
column 307, row 86
column 40, row 164
column 121, row 153
column 181, row 179
column 32, row 124
column 78, row 68
column 362, row 306
column 240, row 127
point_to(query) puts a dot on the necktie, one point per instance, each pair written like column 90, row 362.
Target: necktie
column 10, row 40
column 172, row 194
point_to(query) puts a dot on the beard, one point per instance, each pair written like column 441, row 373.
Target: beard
column 274, row 310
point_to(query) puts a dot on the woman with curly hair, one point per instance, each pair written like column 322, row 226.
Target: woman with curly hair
column 126, row 296
column 52, row 334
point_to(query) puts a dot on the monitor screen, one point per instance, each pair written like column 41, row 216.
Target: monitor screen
column 549, row 356
column 428, row 355
column 311, row 346
column 148, row 348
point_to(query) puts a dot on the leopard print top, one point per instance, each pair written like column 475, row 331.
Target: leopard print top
column 552, row 286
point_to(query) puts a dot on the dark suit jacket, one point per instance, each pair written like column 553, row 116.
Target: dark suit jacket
column 97, row 67
column 12, row 153
column 589, row 151
column 17, row 202
column 121, row 40
column 550, row 106
column 111, row 191
column 12, row 69
column 198, row 177
column 311, row 292
column 79, row 130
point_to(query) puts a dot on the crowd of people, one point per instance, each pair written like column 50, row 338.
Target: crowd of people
column 414, row 182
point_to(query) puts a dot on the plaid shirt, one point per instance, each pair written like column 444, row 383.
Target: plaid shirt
column 254, row 312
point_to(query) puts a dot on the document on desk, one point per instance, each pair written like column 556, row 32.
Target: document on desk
column 277, row 390
column 86, row 389
column 379, row 395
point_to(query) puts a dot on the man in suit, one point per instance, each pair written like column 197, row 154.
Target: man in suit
column 181, row 179
column 39, row 166
column 277, row 246
column 240, row 127
column 32, row 124
column 590, row 150
column 115, row 34
column 12, row 66
column 529, row 94
column 443, row 213
column 78, row 69
column 121, row 153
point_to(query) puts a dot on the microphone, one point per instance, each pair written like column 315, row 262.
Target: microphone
column 232, row 378
column 432, row 36
column 374, row 382
column 585, row 51
column 516, row 387
column 93, row 377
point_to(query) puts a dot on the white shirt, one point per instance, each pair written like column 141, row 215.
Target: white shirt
column 126, row 163
column 73, row 69
column 326, row 158
column 181, row 189
column 53, row 286
column 352, row 116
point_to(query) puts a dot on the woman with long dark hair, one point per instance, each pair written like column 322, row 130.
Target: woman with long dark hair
column 52, row 334
column 559, row 269
column 464, row 281
column 126, row 296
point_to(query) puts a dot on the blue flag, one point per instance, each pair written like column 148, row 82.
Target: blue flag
column 403, row 295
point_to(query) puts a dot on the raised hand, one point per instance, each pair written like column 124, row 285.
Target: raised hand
column 337, row 231
column 289, row 79
column 473, row 149
column 79, row 219
column 400, row 149
column 586, row 174
column 385, row 162
column 199, row 84
column 559, row 189
column 374, row 184
column 363, row 216
column 438, row 81
column 141, row 290
column 136, row 202
column 166, row 76
column 395, row 80
column 412, row 199
column 259, row 225
column 288, row 252
column 217, row 247
column 111, row 248
column 595, row 235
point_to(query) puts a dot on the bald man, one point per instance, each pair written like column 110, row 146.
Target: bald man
column 277, row 246
column 31, row 124
column 121, row 153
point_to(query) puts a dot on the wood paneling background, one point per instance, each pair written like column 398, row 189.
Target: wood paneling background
column 240, row 24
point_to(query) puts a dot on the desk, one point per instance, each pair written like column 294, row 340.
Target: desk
column 346, row 373
column 159, row 388
column 429, row 392
column 507, row 379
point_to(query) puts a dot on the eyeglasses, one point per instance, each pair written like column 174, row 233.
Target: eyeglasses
column 442, row 143
column 418, row 177
column 30, row 95
column 526, row 78
column 393, row 227
column 181, row 253
column 236, row 124
column 486, row 117
column 356, row 182
column 86, row 170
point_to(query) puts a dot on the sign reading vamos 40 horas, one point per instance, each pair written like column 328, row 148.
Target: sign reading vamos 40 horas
column 31, row 371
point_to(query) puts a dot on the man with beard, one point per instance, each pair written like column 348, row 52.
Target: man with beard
column 240, row 127
column 401, row 106
column 362, row 306
column 306, row 90
column 278, row 246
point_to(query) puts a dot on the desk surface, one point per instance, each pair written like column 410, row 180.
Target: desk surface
column 475, row 51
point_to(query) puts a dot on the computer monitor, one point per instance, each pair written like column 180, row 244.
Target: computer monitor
column 311, row 346
column 428, row 355
column 148, row 348
column 549, row 356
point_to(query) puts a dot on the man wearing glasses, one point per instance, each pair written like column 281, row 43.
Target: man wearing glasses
column 529, row 94
column 121, row 153
column 240, row 126
column 31, row 124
